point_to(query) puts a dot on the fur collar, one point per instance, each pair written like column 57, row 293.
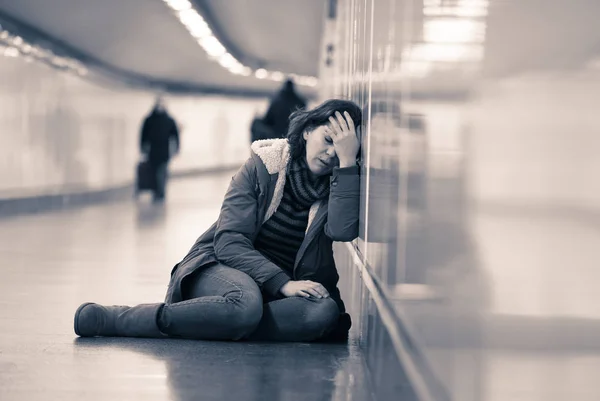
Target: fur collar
column 275, row 154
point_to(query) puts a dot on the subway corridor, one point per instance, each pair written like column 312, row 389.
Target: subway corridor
column 121, row 253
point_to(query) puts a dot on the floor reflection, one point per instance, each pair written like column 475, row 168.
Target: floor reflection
column 150, row 214
column 246, row 371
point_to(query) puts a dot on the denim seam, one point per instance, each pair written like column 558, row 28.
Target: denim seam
column 201, row 300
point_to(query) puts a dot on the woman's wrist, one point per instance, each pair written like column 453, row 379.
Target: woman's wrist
column 347, row 163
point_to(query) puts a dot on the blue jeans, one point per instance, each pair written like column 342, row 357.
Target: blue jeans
column 222, row 303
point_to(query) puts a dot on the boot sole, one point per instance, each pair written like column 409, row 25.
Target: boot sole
column 77, row 312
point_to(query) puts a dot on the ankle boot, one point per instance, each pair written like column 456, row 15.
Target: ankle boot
column 93, row 320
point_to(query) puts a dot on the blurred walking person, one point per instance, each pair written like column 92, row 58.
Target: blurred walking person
column 159, row 142
column 285, row 102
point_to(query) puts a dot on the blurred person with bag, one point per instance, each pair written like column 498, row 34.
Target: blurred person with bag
column 158, row 143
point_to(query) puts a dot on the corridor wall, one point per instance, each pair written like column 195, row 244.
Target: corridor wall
column 60, row 132
column 480, row 200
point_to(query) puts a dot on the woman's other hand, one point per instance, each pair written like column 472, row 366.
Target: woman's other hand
column 304, row 288
column 345, row 140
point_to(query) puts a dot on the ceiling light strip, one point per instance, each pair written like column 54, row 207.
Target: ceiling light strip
column 197, row 26
column 12, row 45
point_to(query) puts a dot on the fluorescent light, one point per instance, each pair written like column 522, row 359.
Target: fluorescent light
column 277, row 76
column 239, row 69
column 199, row 29
column 455, row 11
column 443, row 52
column 11, row 52
column 453, row 30
column 246, row 71
column 15, row 46
column 212, row 46
column 261, row 73
column 190, row 18
column 179, row 5
column 460, row 8
column 228, row 61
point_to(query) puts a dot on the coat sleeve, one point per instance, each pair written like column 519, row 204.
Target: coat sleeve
column 344, row 204
column 235, row 228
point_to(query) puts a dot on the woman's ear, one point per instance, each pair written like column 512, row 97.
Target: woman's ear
column 305, row 135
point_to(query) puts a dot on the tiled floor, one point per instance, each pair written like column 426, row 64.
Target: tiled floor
column 122, row 253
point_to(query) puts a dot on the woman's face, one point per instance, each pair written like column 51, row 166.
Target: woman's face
column 320, row 152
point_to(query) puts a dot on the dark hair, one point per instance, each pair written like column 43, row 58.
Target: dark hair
column 308, row 120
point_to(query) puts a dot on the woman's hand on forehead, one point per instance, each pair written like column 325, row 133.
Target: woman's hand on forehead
column 344, row 137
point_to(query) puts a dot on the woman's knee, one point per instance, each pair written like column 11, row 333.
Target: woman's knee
column 245, row 317
column 220, row 303
column 322, row 315
column 244, row 298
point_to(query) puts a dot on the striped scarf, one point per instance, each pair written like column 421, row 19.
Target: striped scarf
column 280, row 237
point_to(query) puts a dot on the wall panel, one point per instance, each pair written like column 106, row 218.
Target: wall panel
column 60, row 132
column 480, row 199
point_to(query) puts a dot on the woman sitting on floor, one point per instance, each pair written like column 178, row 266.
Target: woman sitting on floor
column 265, row 269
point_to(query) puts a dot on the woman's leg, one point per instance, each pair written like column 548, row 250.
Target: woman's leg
column 220, row 303
column 296, row 319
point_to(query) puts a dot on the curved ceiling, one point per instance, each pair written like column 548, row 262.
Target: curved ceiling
column 143, row 37
column 279, row 35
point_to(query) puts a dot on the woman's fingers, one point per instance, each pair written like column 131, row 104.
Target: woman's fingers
column 313, row 292
column 342, row 121
column 305, row 289
column 321, row 290
column 316, row 289
column 341, row 126
column 335, row 126
column 350, row 122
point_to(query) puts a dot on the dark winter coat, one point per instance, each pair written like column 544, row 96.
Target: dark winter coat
column 158, row 130
column 253, row 196
column 280, row 109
